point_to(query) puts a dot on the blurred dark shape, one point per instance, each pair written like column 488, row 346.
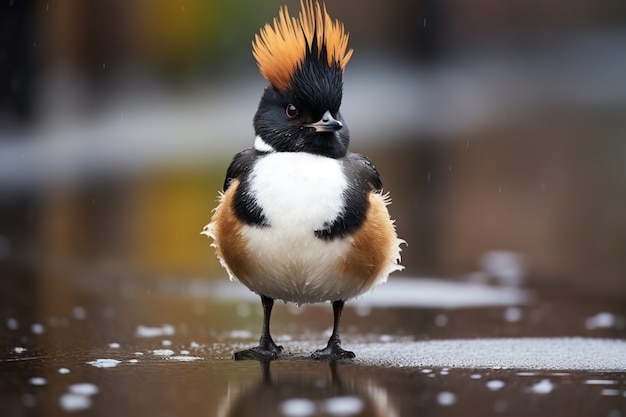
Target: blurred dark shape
column 504, row 137
column 430, row 30
column 17, row 61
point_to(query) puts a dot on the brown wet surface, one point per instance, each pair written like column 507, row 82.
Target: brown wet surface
column 168, row 348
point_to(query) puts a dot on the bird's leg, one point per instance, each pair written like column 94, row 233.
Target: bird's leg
column 267, row 349
column 333, row 350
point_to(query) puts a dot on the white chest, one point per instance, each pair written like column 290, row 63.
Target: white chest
column 298, row 191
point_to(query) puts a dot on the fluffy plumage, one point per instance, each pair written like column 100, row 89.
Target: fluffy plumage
column 287, row 256
column 300, row 218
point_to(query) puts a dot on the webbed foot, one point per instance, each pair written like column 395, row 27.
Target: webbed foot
column 267, row 350
column 333, row 351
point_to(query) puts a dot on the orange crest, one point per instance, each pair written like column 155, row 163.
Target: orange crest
column 280, row 49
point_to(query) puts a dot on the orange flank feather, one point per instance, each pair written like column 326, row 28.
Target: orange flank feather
column 374, row 246
column 280, row 49
column 226, row 232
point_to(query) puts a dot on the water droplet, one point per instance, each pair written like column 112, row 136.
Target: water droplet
column 37, row 328
column 297, row 407
column 104, row 363
column 79, row 312
column 84, row 388
column 344, row 406
column 543, row 387
column 441, row 320
column 495, row 384
column 39, row 381
column 446, row 398
column 13, row 324
column 513, row 314
column 74, row 402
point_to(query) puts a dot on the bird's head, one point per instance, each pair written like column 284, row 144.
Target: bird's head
column 303, row 59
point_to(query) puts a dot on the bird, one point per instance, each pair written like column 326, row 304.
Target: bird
column 300, row 218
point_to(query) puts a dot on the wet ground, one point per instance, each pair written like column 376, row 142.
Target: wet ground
column 109, row 343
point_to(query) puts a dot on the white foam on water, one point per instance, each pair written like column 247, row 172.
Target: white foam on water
column 37, row 328
column 542, row 387
column 446, row 398
column 297, row 407
column 74, row 402
column 38, row 381
column 146, row 331
column 184, row 358
column 78, row 397
column 343, row 406
column 163, row 352
column 495, row 384
column 601, row 320
column 104, row 363
column 505, row 353
column 83, row 388
column 600, row 382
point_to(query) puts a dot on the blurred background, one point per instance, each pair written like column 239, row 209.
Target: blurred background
column 499, row 129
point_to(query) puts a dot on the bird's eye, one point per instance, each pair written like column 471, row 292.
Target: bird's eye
column 291, row 111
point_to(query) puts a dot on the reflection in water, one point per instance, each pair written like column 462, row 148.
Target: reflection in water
column 294, row 390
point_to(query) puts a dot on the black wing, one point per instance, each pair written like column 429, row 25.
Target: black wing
column 363, row 179
column 240, row 166
column 244, row 204
column 363, row 171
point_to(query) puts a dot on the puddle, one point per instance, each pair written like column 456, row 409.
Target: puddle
column 164, row 347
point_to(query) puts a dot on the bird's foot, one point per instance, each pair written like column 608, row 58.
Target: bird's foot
column 267, row 350
column 333, row 351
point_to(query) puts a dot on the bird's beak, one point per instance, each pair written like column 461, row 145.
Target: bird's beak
column 326, row 124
